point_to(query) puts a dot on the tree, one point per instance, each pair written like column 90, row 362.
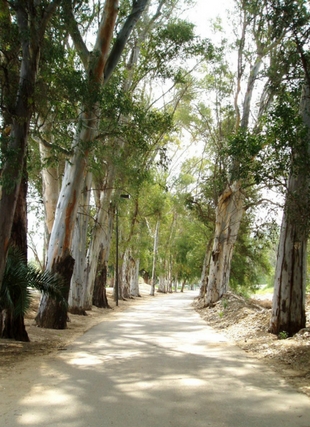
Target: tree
column 99, row 65
column 288, row 311
column 231, row 202
column 26, row 23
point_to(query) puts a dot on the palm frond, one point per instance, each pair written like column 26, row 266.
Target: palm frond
column 19, row 277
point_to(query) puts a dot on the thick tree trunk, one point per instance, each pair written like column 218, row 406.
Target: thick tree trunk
column 59, row 250
column 31, row 32
column 228, row 217
column 288, row 309
column 53, row 314
column 11, row 326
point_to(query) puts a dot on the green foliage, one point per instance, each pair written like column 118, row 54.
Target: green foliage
column 175, row 40
column 252, row 261
column 283, row 335
column 265, row 157
column 19, row 277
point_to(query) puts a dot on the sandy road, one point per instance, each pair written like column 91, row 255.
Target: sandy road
column 153, row 365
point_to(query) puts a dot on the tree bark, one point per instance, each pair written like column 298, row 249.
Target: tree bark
column 126, row 273
column 50, row 188
column 32, row 28
column 100, row 298
column 228, row 217
column 99, row 248
column 11, row 326
column 288, row 308
column 155, row 248
column 134, row 278
column 79, row 243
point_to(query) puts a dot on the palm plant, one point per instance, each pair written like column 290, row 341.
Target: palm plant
column 15, row 294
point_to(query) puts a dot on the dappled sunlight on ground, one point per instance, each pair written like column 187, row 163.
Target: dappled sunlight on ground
column 153, row 366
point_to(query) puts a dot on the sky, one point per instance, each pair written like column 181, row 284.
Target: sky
column 205, row 10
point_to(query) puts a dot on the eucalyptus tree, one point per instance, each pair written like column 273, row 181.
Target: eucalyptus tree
column 23, row 28
column 256, row 44
column 150, row 57
column 288, row 311
column 99, row 66
column 277, row 155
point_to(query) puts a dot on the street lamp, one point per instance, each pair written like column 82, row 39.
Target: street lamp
column 116, row 287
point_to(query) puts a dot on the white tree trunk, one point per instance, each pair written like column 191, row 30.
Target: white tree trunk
column 162, row 285
column 228, row 217
column 101, row 240
column 79, row 243
column 51, row 183
column 288, row 309
column 152, row 292
column 134, row 278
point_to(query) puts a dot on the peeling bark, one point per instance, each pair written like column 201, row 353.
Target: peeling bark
column 288, row 308
column 79, row 242
column 228, row 217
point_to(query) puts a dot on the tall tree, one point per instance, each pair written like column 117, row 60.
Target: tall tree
column 230, row 204
column 288, row 310
column 99, row 65
column 25, row 23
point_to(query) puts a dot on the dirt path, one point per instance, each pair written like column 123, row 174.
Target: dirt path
column 156, row 363
column 246, row 321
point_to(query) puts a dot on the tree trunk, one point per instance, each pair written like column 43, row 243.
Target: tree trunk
column 228, row 217
column 50, row 188
column 79, row 242
column 288, row 309
column 11, row 326
column 99, row 248
column 31, row 32
column 134, row 278
column 162, row 285
column 125, row 281
column 204, row 273
column 53, row 314
column 100, row 299
column 152, row 293
column 59, row 250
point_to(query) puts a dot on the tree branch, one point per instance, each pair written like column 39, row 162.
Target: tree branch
column 122, row 37
column 75, row 34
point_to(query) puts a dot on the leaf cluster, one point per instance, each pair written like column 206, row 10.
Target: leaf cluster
column 174, row 41
column 20, row 277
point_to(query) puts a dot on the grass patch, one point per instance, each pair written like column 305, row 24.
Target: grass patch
column 268, row 289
